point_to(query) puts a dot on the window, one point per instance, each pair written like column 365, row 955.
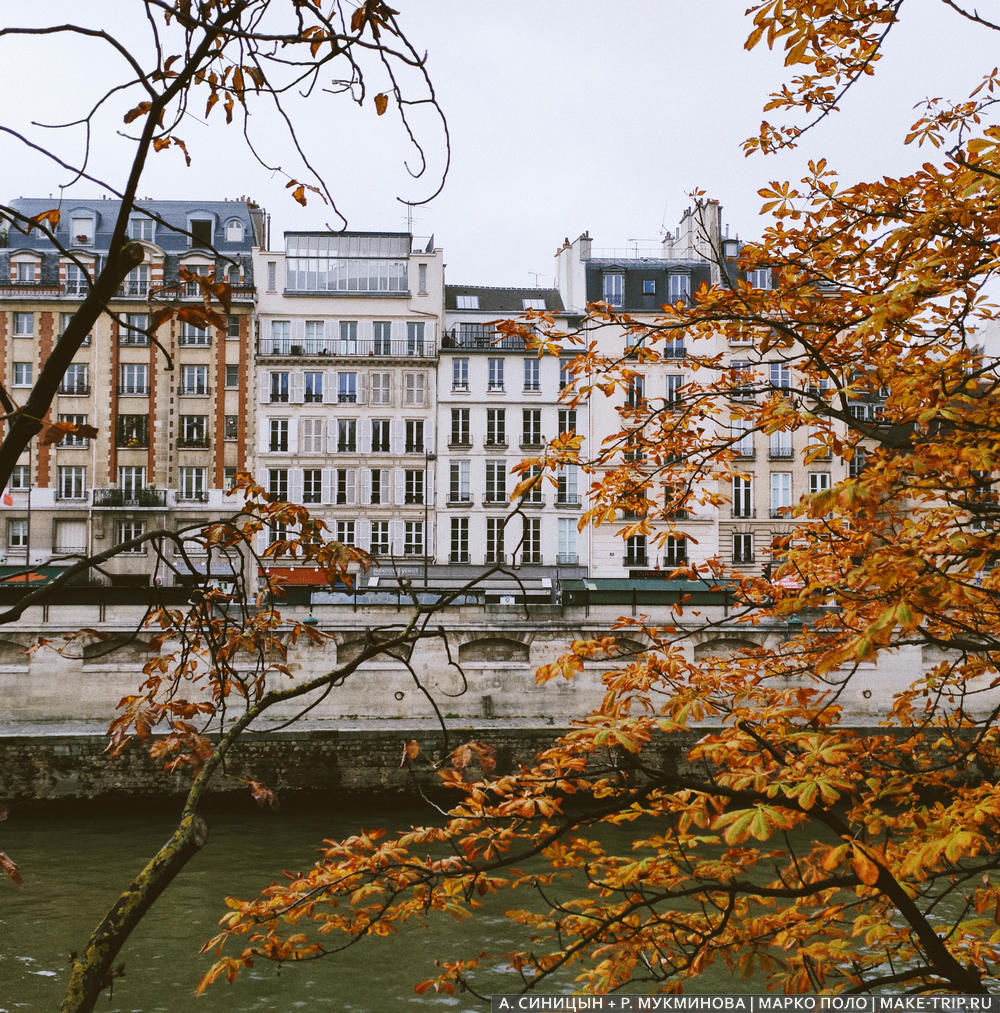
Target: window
column 232, row 377
column 413, row 538
column 635, row 551
column 234, row 231
column 380, row 436
column 857, row 464
column 281, row 337
column 278, row 392
column 531, row 375
column 494, row 539
column 126, row 530
column 193, row 287
column 531, row 427
column 272, row 275
column 567, row 542
column 23, row 373
column 496, row 427
column 781, row 491
column 742, row 495
column 741, row 388
column 65, row 319
column 312, row 436
column 649, row 286
column 678, row 287
column 345, row 531
column 675, row 551
column 25, row 273
column 567, row 492
column 819, row 481
column 674, row 383
column 742, row 437
column 17, row 533
column 194, row 380
column 414, row 337
column 379, row 544
column 674, row 348
column 71, row 482
column 380, row 388
column 192, row 484
column 24, row 325
column 345, row 492
column 232, row 326
column 496, row 481
column 312, row 485
column 533, row 304
column 780, row 447
column 422, row 279
column 20, row 478
column 348, row 337
column 458, row 486
column 82, row 230
column 759, row 277
column 277, row 483
column 414, row 436
column 201, row 231
column 742, row 547
column 414, row 388
column 613, row 289
column 347, row 436
column 413, row 486
column 780, row 375
column 533, row 494
column 192, row 336
column 136, row 281
column 378, row 482
column 382, row 334
column 231, row 428
column 73, row 439
column 276, row 532
column 460, row 428
column 228, row 478
column 467, row 302
column 277, row 442
column 141, row 228
column 635, row 393
column 565, row 374
column 76, row 379
column 567, row 421
column 347, row 388
column 194, row 431
column 531, row 540
column 460, row 374
column 77, row 282
column 495, row 381
column 131, row 482
column 133, row 329
column 459, row 540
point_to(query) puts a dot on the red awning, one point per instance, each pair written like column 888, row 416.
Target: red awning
column 298, row 575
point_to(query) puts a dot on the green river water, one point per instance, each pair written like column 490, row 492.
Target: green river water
column 75, row 864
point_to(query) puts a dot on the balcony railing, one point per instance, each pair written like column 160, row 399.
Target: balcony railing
column 194, row 340
column 134, row 289
column 193, row 442
column 193, row 390
column 567, row 558
column 76, row 389
column 20, row 289
column 133, row 390
column 481, row 337
column 400, row 349
column 130, row 498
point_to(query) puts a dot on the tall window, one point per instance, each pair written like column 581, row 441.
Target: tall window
column 531, row 427
column 496, row 427
column 380, row 436
column 314, row 387
column 780, row 445
column 278, row 436
column 347, row 388
column 533, row 494
column 315, row 337
column 495, row 380
column 413, row 484
column 781, row 491
column 496, row 481
column 567, row 421
column 126, row 530
column 459, row 488
column 460, row 374
column 278, row 388
column 231, row 428
column 742, row 436
column 76, row 280
column 194, row 431
column 819, row 481
column 347, row 436
column 194, row 380
column 742, row 547
column 635, row 551
column 277, row 483
column 133, row 329
column 635, row 393
column 460, row 428
column 281, row 337
column 675, row 550
column 73, row 439
column 780, row 375
column 494, row 539
column 345, row 532
column 379, row 543
column 415, row 337
column 380, row 388
column 567, row 492
column 378, row 484
column 531, row 540
column 71, row 482
column 76, row 379
column 674, row 382
column 459, row 540
column 742, row 495
column 532, row 374
column 17, row 533
column 348, row 337
column 857, row 464
column 346, row 484
column 413, row 538
column 678, row 287
column 136, row 281
column 613, row 289
column 24, row 325
column 312, row 436
column 20, row 478
column 414, row 388
column 382, row 332
column 232, row 376
column 192, row 484
column 567, row 555
column 414, row 436
column 131, row 481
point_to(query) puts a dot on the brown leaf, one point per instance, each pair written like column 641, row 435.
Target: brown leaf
column 140, row 110
column 56, row 431
column 411, row 750
column 9, row 866
column 381, row 102
column 52, row 217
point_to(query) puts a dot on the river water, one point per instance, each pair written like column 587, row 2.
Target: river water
column 75, row 864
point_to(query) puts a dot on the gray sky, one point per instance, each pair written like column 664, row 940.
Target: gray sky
column 565, row 115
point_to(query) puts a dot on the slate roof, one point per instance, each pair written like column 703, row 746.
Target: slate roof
column 502, row 300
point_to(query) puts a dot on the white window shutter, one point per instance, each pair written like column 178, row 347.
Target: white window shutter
column 330, row 386
column 331, row 436
column 263, row 388
column 361, row 388
column 352, row 487
column 364, row 435
column 396, row 433
column 399, row 496
column 366, row 486
column 398, row 533
column 265, row 434
column 295, row 485
column 429, row 436
column 297, row 387
column 326, row 493
column 293, row 439
column 363, row 531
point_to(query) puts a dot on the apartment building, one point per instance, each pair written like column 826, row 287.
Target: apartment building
column 497, row 405
column 169, row 439
column 346, row 358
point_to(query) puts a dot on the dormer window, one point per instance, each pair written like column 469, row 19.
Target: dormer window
column 730, row 249
column 467, row 302
column 679, row 287
column 26, row 272
column 533, row 304
column 141, row 228
column 201, row 231
column 234, row 231
column 613, row 288
column 82, row 230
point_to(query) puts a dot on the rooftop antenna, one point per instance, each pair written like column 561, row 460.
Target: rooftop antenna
column 536, row 275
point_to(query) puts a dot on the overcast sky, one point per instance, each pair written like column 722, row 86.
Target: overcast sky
column 565, row 116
